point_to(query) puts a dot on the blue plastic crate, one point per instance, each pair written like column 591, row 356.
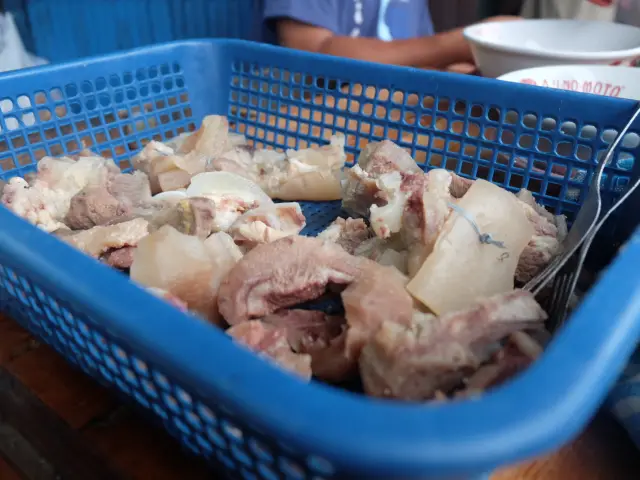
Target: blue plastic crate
column 225, row 403
column 69, row 29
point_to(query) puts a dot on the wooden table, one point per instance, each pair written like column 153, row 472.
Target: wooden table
column 57, row 423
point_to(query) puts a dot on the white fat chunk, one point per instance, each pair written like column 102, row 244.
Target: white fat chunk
column 461, row 270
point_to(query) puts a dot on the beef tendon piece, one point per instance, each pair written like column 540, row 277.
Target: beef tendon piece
column 349, row 233
column 185, row 266
column 267, row 224
column 461, row 269
column 100, row 240
column 321, row 336
column 377, row 296
column 271, row 342
column 436, row 353
column 311, row 174
column 360, row 189
column 281, row 274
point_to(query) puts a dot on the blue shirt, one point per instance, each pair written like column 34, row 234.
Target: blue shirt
column 384, row 19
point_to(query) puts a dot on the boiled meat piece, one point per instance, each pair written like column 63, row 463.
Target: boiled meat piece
column 386, row 220
column 519, row 352
column 239, row 160
column 232, row 194
column 109, row 199
column 120, row 258
column 224, row 254
column 71, row 175
column 360, row 190
column 38, row 204
column 349, row 233
column 459, row 185
column 210, row 140
column 377, row 296
column 311, row 174
column 191, row 216
column 282, row 274
column 391, row 253
column 100, row 240
column 169, row 298
column 46, row 200
column 267, row 223
column 185, row 266
column 549, row 232
column 462, row 268
column 170, row 166
column 130, row 187
column 160, row 163
column 436, row 353
column 270, row 342
column 320, row 335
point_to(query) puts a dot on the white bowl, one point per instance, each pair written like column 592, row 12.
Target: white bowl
column 623, row 82
column 604, row 80
column 502, row 47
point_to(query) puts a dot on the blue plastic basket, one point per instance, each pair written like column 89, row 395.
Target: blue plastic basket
column 68, row 29
column 225, row 403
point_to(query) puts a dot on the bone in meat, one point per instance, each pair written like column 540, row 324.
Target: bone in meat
column 376, row 159
column 267, row 223
column 46, row 200
column 232, row 194
column 349, row 233
column 436, row 353
column 519, row 352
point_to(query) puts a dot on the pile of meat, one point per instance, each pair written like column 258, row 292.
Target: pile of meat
column 426, row 265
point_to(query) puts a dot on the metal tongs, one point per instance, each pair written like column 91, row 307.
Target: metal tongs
column 581, row 234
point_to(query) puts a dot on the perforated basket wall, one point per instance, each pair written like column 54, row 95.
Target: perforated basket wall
column 220, row 400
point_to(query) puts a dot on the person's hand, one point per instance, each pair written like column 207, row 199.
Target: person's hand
column 501, row 18
column 465, row 68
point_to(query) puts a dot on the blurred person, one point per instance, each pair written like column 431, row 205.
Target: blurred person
column 602, row 10
column 398, row 32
